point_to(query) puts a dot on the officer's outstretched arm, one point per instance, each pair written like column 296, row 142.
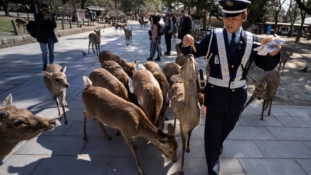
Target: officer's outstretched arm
column 201, row 46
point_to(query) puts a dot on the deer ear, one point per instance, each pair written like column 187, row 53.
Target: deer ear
column 48, row 74
column 135, row 61
column 253, row 80
column 8, row 101
column 64, row 69
column 170, row 129
column 122, row 62
column 267, row 80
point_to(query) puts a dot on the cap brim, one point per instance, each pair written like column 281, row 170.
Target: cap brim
column 230, row 14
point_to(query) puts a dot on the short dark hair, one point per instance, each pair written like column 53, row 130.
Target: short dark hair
column 182, row 11
column 43, row 5
column 168, row 15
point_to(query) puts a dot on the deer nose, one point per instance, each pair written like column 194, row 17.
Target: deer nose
column 259, row 98
column 52, row 122
column 67, row 85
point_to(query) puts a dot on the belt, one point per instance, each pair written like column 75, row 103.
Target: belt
column 224, row 83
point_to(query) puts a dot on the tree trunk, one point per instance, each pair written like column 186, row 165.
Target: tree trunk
column 204, row 20
column 83, row 4
column 303, row 15
column 253, row 18
column 5, row 6
column 303, row 7
column 291, row 30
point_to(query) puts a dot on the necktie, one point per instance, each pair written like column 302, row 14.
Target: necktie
column 232, row 45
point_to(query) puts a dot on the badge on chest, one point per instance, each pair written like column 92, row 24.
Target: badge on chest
column 216, row 59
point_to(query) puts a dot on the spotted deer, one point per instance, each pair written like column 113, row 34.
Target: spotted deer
column 21, row 22
column 55, row 81
column 126, row 117
column 17, row 124
column 265, row 89
column 94, row 39
column 284, row 58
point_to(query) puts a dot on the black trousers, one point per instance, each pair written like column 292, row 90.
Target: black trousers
column 168, row 38
column 218, row 125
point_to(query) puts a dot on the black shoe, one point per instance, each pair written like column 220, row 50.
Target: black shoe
column 158, row 59
column 220, row 150
column 44, row 67
column 149, row 59
column 167, row 54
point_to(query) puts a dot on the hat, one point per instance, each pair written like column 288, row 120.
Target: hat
column 231, row 8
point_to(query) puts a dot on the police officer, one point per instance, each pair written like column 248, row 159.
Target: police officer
column 230, row 53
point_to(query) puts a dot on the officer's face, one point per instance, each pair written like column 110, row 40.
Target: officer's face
column 233, row 24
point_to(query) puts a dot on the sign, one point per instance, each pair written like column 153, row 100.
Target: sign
column 197, row 25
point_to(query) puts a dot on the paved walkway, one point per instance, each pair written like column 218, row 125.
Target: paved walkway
column 281, row 144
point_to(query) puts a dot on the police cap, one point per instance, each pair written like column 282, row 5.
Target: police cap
column 231, row 8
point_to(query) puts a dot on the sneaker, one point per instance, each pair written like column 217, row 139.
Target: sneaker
column 149, row 59
column 44, row 67
column 158, row 59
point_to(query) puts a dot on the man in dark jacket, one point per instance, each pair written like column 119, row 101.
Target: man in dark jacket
column 45, row 35
column 184, row 27
column 229, row 52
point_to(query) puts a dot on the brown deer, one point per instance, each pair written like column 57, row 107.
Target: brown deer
column 129, row 68
column 265, row 88
column 142, row 23
column 158, row 74
column 120, row 25
column 21, row 21
column 284, row 58
column 55, row 81
column 149, row 94
column 126, row 117
column 94, row 39
column 17, row 124
column 178, row 50
column 180, row 59
column 184, row 102
column 128, row 36
column 102, row 78
column 174, row 33
column 169, row 70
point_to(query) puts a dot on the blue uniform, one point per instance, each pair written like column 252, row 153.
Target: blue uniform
column 225, row 102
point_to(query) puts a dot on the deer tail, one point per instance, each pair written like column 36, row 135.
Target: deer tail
column 87, row 81
column 141, row 67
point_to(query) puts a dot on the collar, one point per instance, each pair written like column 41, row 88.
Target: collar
column 237, row 35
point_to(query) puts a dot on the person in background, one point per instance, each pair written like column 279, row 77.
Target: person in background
column 155, row 43
column 184, row 25
column 45, row 35
column 230, row 54
column 168, row 29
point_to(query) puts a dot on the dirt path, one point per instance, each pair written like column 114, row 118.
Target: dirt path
column 295, row 87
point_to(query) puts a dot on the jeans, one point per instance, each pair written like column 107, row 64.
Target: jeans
column 44, row 48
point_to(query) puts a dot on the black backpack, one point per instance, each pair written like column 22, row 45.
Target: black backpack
column 32, row 28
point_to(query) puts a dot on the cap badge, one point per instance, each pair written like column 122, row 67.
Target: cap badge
column 229, row 3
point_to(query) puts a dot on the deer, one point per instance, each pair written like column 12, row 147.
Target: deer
column 185, row 103
column 158, row 74
column 174, row 33
column 21, row 21
column 18, row 124
column 128, row 36
column 180, row 59
column 149, row 94
column 178, row 50
column 142, row 23
column 55, row 80
column 284, row 58
column 129, row 68
column 102, row 78
column 126, row 117
column 265, row 88
column 94, row 39
column 170, row 69
column 120, row 25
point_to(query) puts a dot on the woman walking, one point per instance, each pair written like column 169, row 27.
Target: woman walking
column 155, row 43
column 45, row 35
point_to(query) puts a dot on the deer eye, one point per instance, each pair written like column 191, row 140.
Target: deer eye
column 2, row 114
column 17, row 123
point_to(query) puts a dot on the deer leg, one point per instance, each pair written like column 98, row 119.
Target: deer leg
column 283, row 69
column 174, row 124
column 280, row 64
column 84, row 125
column 57, row 104
column 184, row 139
column 270, row 105
column 188, row 141
column 103, row 129
column 249, row 101
column 93, row 48
column 130, row 143
column 64, row 104
column 263, row 109
column 98, row 49
column 89, row 48
column 118, row 132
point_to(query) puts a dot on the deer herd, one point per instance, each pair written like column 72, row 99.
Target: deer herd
column 108, row 100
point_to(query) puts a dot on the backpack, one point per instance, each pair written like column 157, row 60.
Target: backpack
column 161, row 31
column 32, row 28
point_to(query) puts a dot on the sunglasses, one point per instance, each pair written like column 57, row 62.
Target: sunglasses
column 45, row 10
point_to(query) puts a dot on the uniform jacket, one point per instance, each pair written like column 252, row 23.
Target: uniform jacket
column 223, row 99
column 184, row 27
column 45, row 28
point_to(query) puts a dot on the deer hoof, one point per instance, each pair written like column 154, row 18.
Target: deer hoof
column 108, row 138
column 188, row 150
column 181, row 173
column 66, row 122
column 261, row 118
column 85, row 138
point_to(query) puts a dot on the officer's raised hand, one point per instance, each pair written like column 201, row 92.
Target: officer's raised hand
column 266, row 40
column 188, row 40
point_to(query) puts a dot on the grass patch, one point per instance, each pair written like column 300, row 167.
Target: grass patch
column 6, row 24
